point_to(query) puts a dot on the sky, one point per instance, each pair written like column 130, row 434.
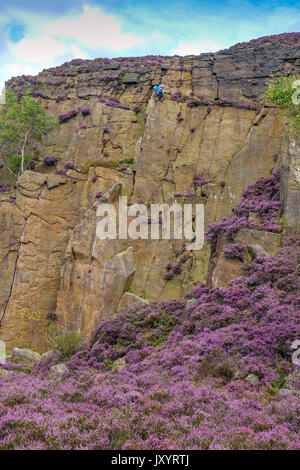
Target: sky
column 38, row 34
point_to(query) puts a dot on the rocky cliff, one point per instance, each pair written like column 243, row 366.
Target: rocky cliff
column 113, row 139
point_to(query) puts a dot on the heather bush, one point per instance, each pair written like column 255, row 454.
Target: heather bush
column 69, row 166
column 183, row 376
column 86, row 111
column 32, row 164
column 179, row 117
column 201, row 101
column 4, row 187
column 199, row 181
column 234, row 250
column 50, row 161
column 115, row 103
column 168, row 180
column 188, row 194
column 60, row 97
column 168, row 276
column 261, row 198
column 177, row 269
column 39, row 94
column 67, row 116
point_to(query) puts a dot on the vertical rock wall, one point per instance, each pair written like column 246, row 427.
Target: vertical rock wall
column 211, row 124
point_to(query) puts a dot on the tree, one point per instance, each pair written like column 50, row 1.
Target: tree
column 281, row 91
column 22, row 123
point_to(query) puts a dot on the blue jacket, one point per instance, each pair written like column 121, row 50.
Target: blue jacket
column 157, row 88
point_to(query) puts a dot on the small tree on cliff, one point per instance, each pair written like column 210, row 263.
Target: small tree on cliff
column 284, row 92
column 22, row 123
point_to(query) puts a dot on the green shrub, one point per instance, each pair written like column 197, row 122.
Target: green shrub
column 128, row 161
column 15, row 160
column 280, row 91
column 278, row 385
column 68, row 343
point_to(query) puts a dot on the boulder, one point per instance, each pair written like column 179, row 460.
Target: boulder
column 252, row 379
column 117, row 275
column 269, row 241
column 25, row 357
column 4, row 372
column 226, row 270
column 189, row 304
column 285, row 391
column 58, row 370
column 119, row 364
column 30, row 183
column 47, row 354
column 129, row 299
column 257, row 250
column 131, row 77
column 55, row 180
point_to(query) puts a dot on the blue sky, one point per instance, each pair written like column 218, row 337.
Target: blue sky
column 35, row 34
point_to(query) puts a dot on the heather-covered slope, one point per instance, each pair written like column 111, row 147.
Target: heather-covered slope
column 212, row 127
column 209, row 371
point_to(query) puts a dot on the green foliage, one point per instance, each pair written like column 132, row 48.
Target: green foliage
column 128, row 161
column 68, row 343
column 22, row 123
column 284, row 221
column 14, row 162
column 280, row 91
column 278, row 385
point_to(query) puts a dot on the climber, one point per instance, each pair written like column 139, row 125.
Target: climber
column 158, row 92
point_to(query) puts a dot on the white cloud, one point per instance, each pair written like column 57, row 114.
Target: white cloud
column 93, row 29
column 41, row 49
column 78, row 52
column 196, row 48
column 13, row 69
column 49, row 41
